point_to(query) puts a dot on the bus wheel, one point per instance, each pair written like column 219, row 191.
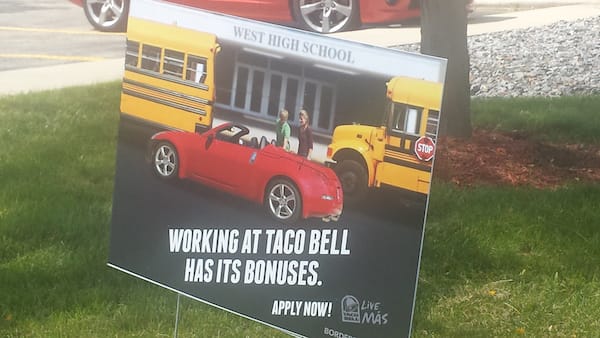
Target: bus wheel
column 165, row 162
column 353, row 177
column 283, row 201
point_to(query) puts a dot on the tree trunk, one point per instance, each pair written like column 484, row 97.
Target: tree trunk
column 444, row 34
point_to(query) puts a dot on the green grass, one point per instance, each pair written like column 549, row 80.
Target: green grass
column 569, row 119
column 57, row 155
column 497, row 262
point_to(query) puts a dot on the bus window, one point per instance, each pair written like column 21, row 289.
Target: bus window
column 173, row 64
column 411, row 120
column 405, row 119
column 131, row 55
column 163, row 63
column 151, row 57
column 196, row 69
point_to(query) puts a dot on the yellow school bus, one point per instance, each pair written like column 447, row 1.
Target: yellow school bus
column 169, row 76
column 398, row 153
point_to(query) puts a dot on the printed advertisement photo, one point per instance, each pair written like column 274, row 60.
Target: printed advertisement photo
column 278, row 174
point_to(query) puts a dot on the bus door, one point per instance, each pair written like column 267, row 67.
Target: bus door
column 169, row 78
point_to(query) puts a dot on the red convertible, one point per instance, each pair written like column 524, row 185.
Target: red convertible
column 323, row 16
column 226, row 158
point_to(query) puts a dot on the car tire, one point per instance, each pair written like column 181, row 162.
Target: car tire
column 165, row 161
column 341, row 15
column 353, row 177
column 283, row 201
column 107, row 15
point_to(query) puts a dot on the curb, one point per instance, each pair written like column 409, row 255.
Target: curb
column 65, row 75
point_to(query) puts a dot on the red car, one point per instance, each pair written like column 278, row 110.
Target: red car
column 226, row 158
column 323, row 16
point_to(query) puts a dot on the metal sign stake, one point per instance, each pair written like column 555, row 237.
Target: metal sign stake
column 177, row 316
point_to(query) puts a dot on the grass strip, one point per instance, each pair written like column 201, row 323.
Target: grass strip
column 497, row 262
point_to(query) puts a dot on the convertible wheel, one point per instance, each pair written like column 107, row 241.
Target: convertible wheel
column 353, row 177
column 166, row 161
column 283, row 201
column 326, row 16
column 107, row 15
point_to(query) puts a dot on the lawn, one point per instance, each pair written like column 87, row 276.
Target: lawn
column 497, row 261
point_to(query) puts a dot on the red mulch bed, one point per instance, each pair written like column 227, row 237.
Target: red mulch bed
column 513, row 159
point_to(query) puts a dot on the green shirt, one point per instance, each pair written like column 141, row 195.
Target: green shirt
column 283, row 131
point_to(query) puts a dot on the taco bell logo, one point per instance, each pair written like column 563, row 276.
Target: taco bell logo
column 350, row 309
column 369, row 312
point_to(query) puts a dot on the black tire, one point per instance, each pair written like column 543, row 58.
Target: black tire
column 312, row 15
column 354, row 179
column 165, row 161
column 283, row 201
column 107, row 15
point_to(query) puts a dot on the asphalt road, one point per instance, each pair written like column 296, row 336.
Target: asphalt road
column 52, row 40
column 49, row 32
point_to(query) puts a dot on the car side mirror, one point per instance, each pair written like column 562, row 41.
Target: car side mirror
column 209, row 141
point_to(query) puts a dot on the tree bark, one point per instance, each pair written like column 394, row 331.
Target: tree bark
column 444, row 34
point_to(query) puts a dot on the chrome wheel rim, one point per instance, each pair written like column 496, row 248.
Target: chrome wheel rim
column 282, row 201
column 105, row 13
column 326, row 16
column 165, row 161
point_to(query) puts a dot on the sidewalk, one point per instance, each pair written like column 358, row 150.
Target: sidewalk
column 83, row 73
column 532, row 3
column 60, row 76
column 387, row 37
